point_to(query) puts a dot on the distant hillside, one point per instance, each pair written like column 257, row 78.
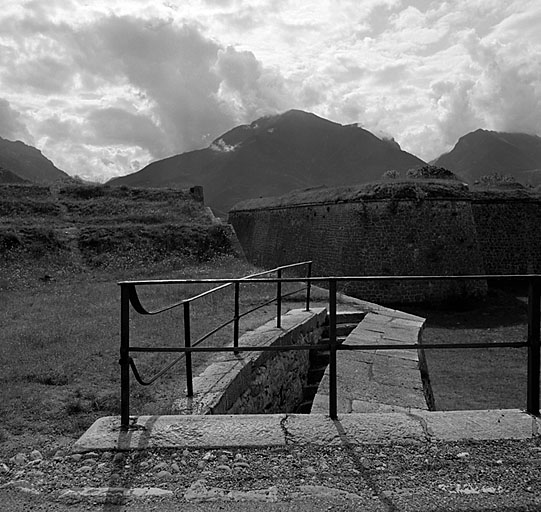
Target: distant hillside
column 275, row 155
column 485, row 152
column 10, row 177
column 28, row 162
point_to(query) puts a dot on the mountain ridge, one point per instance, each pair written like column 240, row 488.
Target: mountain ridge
column 483, row 152
column 276, row 154
column 28, row 162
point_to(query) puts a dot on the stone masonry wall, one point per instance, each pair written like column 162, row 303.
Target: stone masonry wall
column 509, row 234
column 258, row 382
column 371, row 237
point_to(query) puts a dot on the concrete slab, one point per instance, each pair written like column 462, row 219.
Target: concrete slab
column 267, row 430
column 187, row 431
column 479, row 425
column 352, row 429
column 317, row 429
column 384, row 428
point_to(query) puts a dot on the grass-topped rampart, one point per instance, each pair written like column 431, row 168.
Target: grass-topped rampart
column 78, row 227
column 416, row 190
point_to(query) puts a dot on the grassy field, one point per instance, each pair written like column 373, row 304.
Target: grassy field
column 490, row 378
column 60, row 347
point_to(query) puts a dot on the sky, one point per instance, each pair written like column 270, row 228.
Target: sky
column 104, row 87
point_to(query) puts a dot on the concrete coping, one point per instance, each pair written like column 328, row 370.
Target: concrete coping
column 267, row 430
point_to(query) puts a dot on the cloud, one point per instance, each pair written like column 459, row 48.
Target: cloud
column 248, row 86
column 502, row 93
column 155, row 85
column 454, row 102
column 106, row 86
column 12, row 126
column 115, row 126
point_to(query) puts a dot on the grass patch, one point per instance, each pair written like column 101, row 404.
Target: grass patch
column 60, row 345
column 490, row 378
column 140, row 244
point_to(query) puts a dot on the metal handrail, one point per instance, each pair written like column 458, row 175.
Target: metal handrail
column 129, row 296
column 532, row 343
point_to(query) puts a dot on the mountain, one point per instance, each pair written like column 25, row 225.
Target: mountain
column 274, row 155
column 485, row 152
column 7, row 176
column 28, row 162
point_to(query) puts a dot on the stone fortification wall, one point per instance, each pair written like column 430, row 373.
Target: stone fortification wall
column 403, row 229
column 508, row 227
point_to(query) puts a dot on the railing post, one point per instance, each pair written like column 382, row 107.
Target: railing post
column 124, row 357
column 332, row 352
column 236, row 318
column 279, row 300
column 308, row 285
column 187, row 344
column 532, row 401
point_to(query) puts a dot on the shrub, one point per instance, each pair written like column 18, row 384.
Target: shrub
column 496, row 179
column 431, row 172
column 391, row 174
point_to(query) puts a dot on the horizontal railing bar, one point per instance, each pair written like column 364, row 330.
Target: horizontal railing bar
column 326, row 346
column 525, row 277
column 432, row 346
column 206, row 292
column 136, row 303
column 279, row 268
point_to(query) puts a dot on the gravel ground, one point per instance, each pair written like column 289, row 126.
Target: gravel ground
column 495, row 475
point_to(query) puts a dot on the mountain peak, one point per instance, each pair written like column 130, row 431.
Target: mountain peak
column 483, row 152
column 274, row 155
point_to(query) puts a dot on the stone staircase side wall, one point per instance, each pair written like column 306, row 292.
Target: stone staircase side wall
column 258, row 382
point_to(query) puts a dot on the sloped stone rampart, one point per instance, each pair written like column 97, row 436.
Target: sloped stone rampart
column 380, row 380
column 361, row 237
column 509, row 234
column 258, row 382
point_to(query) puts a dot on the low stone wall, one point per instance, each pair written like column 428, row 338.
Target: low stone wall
column 380, row 380
column 258, row 382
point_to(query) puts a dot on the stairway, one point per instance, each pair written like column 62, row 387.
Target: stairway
column 346, row 321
